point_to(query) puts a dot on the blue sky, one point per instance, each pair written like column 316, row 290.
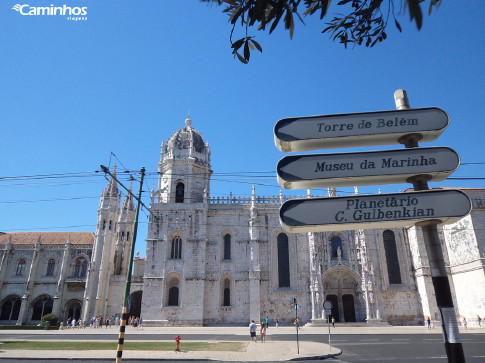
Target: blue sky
column 124, row 80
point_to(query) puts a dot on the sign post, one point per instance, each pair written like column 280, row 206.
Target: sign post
column 423, row 207
column 327, row 305
column 439, row 276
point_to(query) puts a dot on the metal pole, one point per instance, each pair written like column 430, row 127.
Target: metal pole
column 439, row 275
column 124, row 315
column 296, row 324
column 329, row 341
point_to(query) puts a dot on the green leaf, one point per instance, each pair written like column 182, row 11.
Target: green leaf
column 256, row 44
column 415, row 12
column 237, row 44
column 241, row 58
column 247, row 53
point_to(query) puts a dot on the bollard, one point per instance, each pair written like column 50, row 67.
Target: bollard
column 177, row 341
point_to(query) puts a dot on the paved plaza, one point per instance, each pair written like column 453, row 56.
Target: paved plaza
column 281, row 349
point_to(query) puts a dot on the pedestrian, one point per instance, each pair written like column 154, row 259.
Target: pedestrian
column 252, row 331
column 297, row 323
column 108, row 323
column 333, row 321
column 429, row 322
column 61, row 325
column 117, row 320
column 140, row 324
column 263, row 333
column 277, row 322
column 267, row 322
column 479, row 321
column 465, row 324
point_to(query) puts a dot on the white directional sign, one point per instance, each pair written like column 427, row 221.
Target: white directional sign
column 373, row 211
column 358, row 129
column 365, row 168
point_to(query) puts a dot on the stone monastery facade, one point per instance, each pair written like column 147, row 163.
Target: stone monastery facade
column 227, row 260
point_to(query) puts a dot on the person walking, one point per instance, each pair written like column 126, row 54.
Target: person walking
column 267, row 322
column 252, row 331
column 333, row 321
column 263, row 333
column 429, row 322
column 277, row 322
column 465, row 324
column 479, row 321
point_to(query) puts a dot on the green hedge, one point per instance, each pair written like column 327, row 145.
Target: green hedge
column 25, row 327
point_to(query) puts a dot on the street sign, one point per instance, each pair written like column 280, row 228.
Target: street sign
column 358, row 129
column 297, row 306
column 327, row 305
column 373, row 211
column 365, row 168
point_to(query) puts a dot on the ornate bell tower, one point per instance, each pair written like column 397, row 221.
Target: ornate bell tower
column 184, row 167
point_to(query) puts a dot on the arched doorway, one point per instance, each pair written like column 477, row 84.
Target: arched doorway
column 349, row 309
column 135, row 303
column 73, row 310
column 334, row 300
column 341, row 286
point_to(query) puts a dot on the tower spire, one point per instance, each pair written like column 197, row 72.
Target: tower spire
column 112, row 188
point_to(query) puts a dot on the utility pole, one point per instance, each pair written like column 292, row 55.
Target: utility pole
column 124, row 315
column 439, row 275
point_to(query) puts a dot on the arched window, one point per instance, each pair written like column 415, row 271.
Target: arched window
column 336, row 243
column 110, row 225
column 104, row 223
column 227, row 293
column 227, row 247
column 173, row 292
column 84, row 268
column 20, row 267
column 10, row 309
column 42, row 307
column 393, row 269
column 122, row 237
column 179, row 193
column 81, row 267
column 283, row 261
column 176, row 248
column 51, row 264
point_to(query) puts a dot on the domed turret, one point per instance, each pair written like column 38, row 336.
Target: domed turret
column 184, row 167
column 187, row 142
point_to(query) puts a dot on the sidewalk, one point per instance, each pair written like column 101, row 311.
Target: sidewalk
column 272, row 350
